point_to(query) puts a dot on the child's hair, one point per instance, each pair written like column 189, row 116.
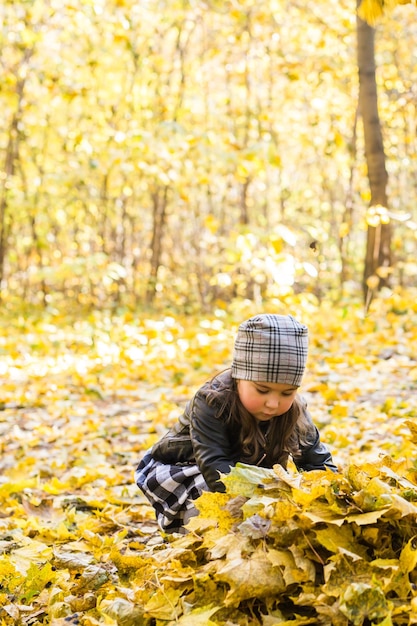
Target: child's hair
column 287, row 431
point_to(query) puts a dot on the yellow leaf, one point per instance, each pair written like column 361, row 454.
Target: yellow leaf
column 400, row 507
column 212, row 512
column 244, row 479
column 370, row 11
column 230, row 546
column 335, row 539
column 295, row 570
column 290, row 479
column 33, row 551
column 339, row 139
column 92, row 577
column 197, row 617
column 384, row 272
column 16, row 487
column 363, row 600
column 165, row 604
column 364, row 519
column 37, row 577
column 10, row 577
column 304, row 497
column 55, row 486
column 212, row 223
column 121, row 612
column 372, row 282
column 339, row 410
column 330, row 394
column 344, row 230
column 275, row 160
column 242, row 172
column 277, row 244
column 72, row 559
column 250, row 577
column 322, row 513
column 378, row 495
column 130, row 562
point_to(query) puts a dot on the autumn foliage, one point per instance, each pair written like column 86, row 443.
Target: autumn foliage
column 82, row 399
column 168, row 169
column 188, row 153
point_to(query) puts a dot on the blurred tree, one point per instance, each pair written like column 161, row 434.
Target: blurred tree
column 378, row 242
column 15, row 74
column 378, row 258
column 184, row 154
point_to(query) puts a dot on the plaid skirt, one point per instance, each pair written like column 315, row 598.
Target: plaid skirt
column 171, row 489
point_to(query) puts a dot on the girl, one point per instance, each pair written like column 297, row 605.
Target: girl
column 250, row 413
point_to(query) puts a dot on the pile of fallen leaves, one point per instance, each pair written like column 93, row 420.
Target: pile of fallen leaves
column 82, row 400
column 281, row 548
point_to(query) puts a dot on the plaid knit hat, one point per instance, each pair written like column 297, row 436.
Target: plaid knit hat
column 271, row 349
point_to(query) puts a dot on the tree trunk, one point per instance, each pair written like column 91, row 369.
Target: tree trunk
column 159, row 217
column 8, row 169
column 378, row 244
column 347, row 219
column 12, row 154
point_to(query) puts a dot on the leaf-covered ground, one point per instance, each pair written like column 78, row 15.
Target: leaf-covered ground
column 81, row 399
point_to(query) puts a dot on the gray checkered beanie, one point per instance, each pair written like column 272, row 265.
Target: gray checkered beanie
column 271, row 349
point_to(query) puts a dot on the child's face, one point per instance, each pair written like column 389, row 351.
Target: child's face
column 265, row 400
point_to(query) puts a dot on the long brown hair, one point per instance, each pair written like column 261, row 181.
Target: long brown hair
column 285, row 432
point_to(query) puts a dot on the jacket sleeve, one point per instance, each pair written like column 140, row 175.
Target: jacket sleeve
column 213, row 448
column 314, row 454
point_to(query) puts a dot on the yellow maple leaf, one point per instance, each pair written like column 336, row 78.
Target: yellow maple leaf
column 10, row 577
column 249, row 577
column 197, row 617
column 130, row 562
column 33, row 551
column 408, row 556
column 299, row 570
column 37, row 577
column 363, row 600
column 244, row 479
column 212, row 508
column 119, row 611
column 164, row 604
column 335, row 539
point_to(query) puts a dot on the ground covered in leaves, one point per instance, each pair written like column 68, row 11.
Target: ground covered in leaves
column 81, row 399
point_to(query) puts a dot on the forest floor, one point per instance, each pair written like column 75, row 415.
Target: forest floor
column 82, row 399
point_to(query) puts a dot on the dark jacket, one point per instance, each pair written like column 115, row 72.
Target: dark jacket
column 203, row 436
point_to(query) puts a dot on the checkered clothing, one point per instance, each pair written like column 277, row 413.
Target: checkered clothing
column 171, row 490
column 271, row 349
